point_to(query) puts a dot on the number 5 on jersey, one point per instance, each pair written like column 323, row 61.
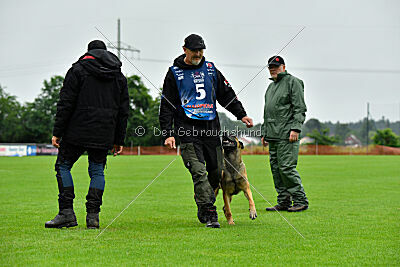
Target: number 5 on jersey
column 201, row 91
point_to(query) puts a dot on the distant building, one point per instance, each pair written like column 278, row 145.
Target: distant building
column 353, row 141
column 307, row 140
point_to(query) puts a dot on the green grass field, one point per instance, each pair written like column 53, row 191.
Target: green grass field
column 354, row 216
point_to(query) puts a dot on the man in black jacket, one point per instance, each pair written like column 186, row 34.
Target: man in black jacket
column 191, row 88
column 92, row 115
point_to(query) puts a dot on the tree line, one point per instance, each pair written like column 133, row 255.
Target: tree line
column 368, row 131
column 32, row 122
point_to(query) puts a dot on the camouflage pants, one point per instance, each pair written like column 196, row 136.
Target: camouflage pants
column 204, row 161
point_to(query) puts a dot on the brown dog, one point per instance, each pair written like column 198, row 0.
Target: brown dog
column 234, row 177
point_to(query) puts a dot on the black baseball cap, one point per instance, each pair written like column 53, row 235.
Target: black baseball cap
column 194, row 42
column 96, row 44
column 276, row 60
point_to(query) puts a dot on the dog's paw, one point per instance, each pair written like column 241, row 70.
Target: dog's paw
column 231, row 222
column 253, row 214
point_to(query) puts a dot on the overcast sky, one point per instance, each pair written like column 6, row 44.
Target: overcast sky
column 347, row 55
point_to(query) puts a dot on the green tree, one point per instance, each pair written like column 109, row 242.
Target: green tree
column 10, row 116
column 386, row 137
column 314, row 124
column 323, row 138
column 342, row 131
column 38, row 116
column 310, row 125
column 143, row 116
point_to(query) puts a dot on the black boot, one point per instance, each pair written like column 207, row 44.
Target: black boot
column 65, row 218
column 202, row 215
column 202, row 212
column 212, row 221
column 92, row 220
column 94, row 200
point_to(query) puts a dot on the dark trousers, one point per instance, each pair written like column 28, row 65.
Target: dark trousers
column 283, row 160
column 68, row 154
column 203, row 158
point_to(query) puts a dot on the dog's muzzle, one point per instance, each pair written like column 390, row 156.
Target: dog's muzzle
column 229, row 143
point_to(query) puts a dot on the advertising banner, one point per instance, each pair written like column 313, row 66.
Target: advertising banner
column 31, row 150
column 13, row 150
column 46, row 150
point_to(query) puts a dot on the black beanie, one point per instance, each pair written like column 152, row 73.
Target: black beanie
column 96, row 44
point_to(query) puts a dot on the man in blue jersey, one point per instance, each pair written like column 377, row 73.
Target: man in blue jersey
column 188, row 110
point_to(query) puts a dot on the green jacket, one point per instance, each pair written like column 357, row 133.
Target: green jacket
column 284, row 108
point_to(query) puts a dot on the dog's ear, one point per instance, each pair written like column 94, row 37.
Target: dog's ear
column 241, row 145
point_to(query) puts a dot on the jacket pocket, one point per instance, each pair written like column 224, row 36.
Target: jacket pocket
column 272, row 128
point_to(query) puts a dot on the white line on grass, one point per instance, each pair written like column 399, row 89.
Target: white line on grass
column 265, row 199
column 137, row 197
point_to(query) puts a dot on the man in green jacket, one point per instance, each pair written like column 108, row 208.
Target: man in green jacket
column 284, row 114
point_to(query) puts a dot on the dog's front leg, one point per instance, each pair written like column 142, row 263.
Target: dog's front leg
column 227, row 209
column 252, row 206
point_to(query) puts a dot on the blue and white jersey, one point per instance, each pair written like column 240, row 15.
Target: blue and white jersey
column 197, row 90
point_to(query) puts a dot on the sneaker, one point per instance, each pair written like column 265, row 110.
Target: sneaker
column 277, row 208
column 92, row 221
column 297, row 208
column 65, row 218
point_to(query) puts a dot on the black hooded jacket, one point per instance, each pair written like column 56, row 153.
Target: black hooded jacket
column 94, row 103
column 172, row 113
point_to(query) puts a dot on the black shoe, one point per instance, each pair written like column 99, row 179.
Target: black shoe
column 202, row 215
column 65, row 218
column 298, row 208
column 92, row 221
column 213, row 224
column 277, row 208
column 212, row 221
column 201, row 212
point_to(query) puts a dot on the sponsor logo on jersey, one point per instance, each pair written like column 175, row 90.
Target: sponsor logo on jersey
column 200, row 106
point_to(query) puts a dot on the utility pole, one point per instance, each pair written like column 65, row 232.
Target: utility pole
column 120, row 45
column 367, row 126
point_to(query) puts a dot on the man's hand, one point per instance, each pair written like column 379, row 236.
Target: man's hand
column 294, row 136
column 117, row 150
column 170, row 142
column 55, row 141
column 248, row 121
column 264, row 142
